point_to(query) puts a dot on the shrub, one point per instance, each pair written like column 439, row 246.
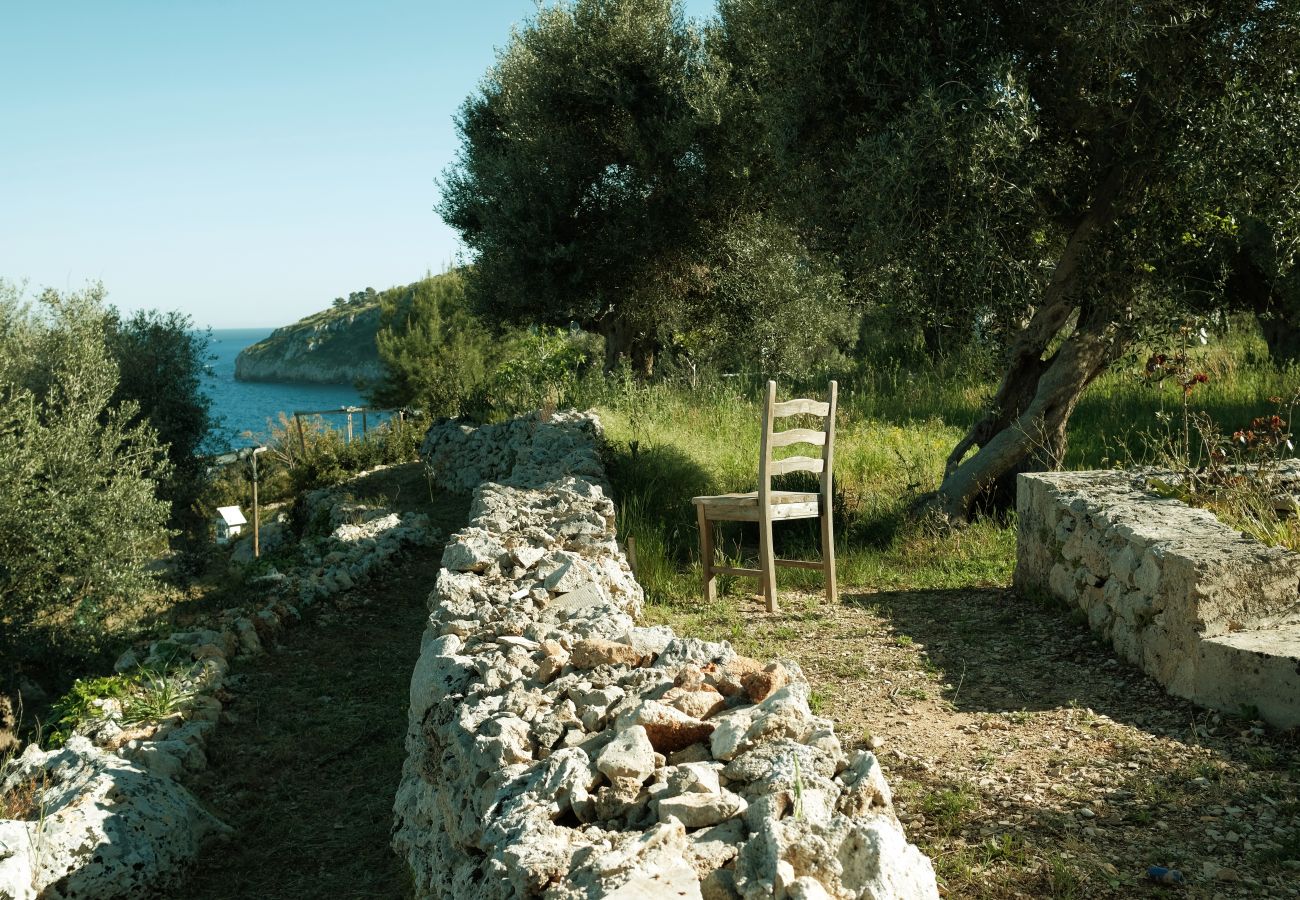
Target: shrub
column 79, row 513
column 160, row 360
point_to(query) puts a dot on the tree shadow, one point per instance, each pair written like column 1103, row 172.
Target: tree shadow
column 1000, row 652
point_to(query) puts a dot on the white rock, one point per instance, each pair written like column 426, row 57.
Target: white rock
column 95, row 800
column 629, row 755
column 471, row 550
column 696, row 810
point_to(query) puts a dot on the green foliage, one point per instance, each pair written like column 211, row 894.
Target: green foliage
column 79, row 704
column 435, row 354
column 770, row 305
column 948, row 154
column 669, row 442
column 584, row 187
column 160, row 360
column 80, row 518
column 145, row 695
column 540, row 369
column 1025, row 175
column 319, row 456
column 155, row 696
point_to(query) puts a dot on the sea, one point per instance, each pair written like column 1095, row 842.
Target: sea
column 244, row 410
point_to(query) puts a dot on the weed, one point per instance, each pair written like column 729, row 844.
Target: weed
column 950, row 807
column 1062, row 880
column 82, row 703
column 155, row 696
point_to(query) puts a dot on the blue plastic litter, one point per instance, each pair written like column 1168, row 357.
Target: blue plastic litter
column 1161, row 875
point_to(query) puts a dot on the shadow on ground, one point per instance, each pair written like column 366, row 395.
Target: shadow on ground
column 1001, row 652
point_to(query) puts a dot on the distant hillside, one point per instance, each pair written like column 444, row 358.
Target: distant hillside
column 335, row 346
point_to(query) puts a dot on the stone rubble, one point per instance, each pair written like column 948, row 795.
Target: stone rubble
column 1210, row 613
column 558, row 749
column 117, row 821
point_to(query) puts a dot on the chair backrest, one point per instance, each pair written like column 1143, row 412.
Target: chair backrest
column 772, row 439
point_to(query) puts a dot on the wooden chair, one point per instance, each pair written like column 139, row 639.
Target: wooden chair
column 765, row 505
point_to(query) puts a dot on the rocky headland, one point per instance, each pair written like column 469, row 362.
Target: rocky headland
column 334, row 346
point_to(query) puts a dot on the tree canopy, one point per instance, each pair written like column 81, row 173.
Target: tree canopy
column 584, row 183
column 160, row 360
column 1065, row 175
column 1049, row 182
column 434, row 352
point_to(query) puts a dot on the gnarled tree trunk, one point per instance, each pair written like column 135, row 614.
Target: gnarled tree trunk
column 1030, row 434
column 623, row 340
column 1025, row 427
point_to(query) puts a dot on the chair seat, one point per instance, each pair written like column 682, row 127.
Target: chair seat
column 744, row 507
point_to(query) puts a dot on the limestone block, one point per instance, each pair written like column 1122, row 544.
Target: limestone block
column 700, row 810
column 700, row 704
column 693, row 778
column 587, row 654
column 16, row 855
column 471, row 550
column 668, row 729
column 628, row 755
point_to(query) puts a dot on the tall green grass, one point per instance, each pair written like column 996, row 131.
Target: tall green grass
column 669, row 442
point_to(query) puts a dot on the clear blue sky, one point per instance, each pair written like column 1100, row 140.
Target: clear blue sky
column 244, row 162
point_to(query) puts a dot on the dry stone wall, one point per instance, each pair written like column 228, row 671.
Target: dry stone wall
column 1212, row 614
column 114, row 819
column 558, row 749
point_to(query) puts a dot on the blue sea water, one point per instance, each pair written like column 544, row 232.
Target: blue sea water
column 246, row 406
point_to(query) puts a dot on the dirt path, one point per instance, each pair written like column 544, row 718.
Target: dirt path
column 307, row 771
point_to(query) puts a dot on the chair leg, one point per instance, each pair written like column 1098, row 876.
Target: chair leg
column 828, row 556
column 706, row 555
column 767, row 563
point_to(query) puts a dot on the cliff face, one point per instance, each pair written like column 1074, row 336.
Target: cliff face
column 336, row 346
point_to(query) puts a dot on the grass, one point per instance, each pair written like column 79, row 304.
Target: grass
column 667, row 445
column 669, row 442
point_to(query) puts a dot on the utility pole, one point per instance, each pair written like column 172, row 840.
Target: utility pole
column 257, row 548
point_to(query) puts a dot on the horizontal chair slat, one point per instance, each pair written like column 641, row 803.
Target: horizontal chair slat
column 796, row 464
column 800, row 563
column 800, row 407
column 729, row 570
column 798, row 436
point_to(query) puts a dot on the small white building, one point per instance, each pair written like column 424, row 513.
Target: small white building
column 230, row 523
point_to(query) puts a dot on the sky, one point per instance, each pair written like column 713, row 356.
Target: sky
column 243, row 162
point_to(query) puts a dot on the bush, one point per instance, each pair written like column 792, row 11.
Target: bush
column 160, row 360
column 80, row 518
column 540, row 368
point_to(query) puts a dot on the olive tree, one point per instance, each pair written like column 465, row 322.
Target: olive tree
column 1047, row 168
column 80, row 515
column 583, row 187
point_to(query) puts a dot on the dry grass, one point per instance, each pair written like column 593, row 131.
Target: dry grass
column 23, row 801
